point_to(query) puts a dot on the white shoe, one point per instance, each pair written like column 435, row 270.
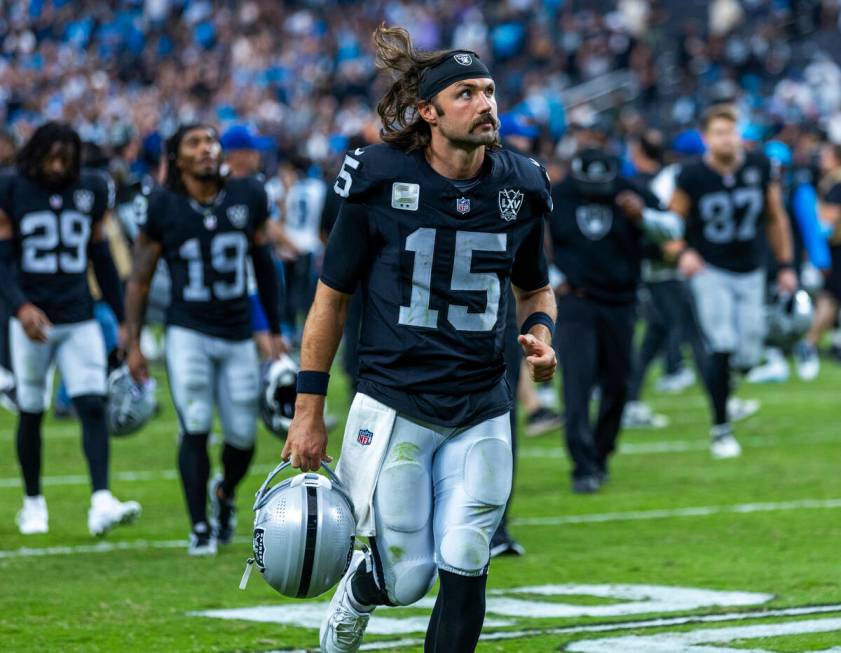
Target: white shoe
column 739, row 409
column 638, row 414
column 723, row 444
column 107, row 511
column 202, row 541
column 806, row 360
column 33, row 518
column 675, row 383
column 775, row 369
column 344, row 626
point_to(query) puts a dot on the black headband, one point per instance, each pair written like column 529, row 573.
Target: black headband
column 458, row 65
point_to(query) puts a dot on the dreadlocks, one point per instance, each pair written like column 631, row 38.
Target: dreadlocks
column 174, row 180
column 402, row 126
column 31, row 157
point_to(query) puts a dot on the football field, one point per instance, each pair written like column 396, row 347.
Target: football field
column 678, row 554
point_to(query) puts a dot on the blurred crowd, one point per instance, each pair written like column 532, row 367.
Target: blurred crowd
column 126, row 72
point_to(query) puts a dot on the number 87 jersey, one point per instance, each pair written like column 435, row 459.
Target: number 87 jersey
column 436, row 259
column 728, row 212
column 206, row 248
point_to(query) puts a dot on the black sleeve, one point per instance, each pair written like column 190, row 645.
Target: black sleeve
column 834, row 195
column 104, row 194
column 107, row 277
column 530, row 271
column 261, row 205
column 684, row 180
column 11, row 293
column 329, row 213
column 150, row 216
column 268, row 285
column 349, row 250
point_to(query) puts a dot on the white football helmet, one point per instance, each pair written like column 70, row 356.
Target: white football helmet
column 130, row 404
column 789, row 317
column 303, row 533
column 277, row 397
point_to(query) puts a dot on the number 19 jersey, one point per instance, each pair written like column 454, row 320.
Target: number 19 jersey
column 727, row 213
column 436, row 259
column 206, row 248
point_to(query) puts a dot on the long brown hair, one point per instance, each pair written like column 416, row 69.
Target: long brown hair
column 403, row 126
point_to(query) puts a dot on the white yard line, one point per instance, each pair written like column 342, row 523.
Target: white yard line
column 606, row 628
column 594, row 518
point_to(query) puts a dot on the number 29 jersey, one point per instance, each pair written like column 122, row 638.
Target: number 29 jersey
column 436, row 260
column 206, row 248
column 52, row 230
column 728, row 212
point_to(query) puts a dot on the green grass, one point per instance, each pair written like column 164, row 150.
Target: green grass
column 137, row 600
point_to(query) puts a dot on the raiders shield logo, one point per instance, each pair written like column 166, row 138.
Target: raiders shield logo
column 594, row 220
column 752, row 176
column 463, row 58
column 83, row 199
column 238, row 215
column 510, row 201
column 259, row 547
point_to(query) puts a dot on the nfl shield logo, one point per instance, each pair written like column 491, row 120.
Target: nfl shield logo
column 510, row 201
column 463, row 205
column 365, row 437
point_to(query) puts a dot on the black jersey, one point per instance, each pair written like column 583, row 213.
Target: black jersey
column 52, row 231
column 596, row 245
column 727, row 212
column 206, row 248
column 436, row 266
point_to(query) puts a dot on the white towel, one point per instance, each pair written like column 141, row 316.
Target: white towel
column 367, row 434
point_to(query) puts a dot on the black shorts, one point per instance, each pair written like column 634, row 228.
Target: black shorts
column 832, row 285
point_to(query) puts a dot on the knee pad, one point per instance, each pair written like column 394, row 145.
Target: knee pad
column 404, row 490
column 465, row 550
column 410, row 580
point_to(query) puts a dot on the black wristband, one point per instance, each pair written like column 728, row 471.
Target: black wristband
column 312, row 383
column 538, row 317
column 787, row 265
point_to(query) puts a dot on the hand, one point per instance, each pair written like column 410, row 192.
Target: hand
column 631, row 204
column 540, row 358
column 690, row 263
column 138, row 366
column 278, row 345
column 306, row 441
column 34, row 322
column 787, row 281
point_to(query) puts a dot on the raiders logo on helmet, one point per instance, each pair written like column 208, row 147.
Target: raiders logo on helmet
column 594, row 220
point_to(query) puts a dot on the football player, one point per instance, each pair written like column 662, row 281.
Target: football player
column 205, row 228
column 726, row 199
column 437, row 225
column 52, row 216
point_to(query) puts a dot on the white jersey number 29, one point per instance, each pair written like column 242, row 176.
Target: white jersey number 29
column 42, row 232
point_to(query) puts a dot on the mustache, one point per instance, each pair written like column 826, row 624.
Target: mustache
column 487, row 119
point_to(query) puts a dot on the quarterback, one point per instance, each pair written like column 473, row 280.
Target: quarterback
column 438, row 223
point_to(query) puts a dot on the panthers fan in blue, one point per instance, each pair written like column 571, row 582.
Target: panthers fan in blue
column 205, row 227
column 727, row 199
column 437, row 225
column 51, row 226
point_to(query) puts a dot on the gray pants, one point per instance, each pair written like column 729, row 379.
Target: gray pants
column 79, row 351
column 731, row 312
column 439, row 498
column 204, row 371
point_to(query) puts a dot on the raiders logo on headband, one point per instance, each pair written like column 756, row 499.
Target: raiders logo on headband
column 463, row 58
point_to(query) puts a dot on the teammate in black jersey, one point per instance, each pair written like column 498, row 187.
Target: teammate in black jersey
column 205, row 227
column 438, row 223
column 51, row 226
column 601, row 226
column 727, row 199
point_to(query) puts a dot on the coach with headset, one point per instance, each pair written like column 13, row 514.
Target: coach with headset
column 601, row 226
